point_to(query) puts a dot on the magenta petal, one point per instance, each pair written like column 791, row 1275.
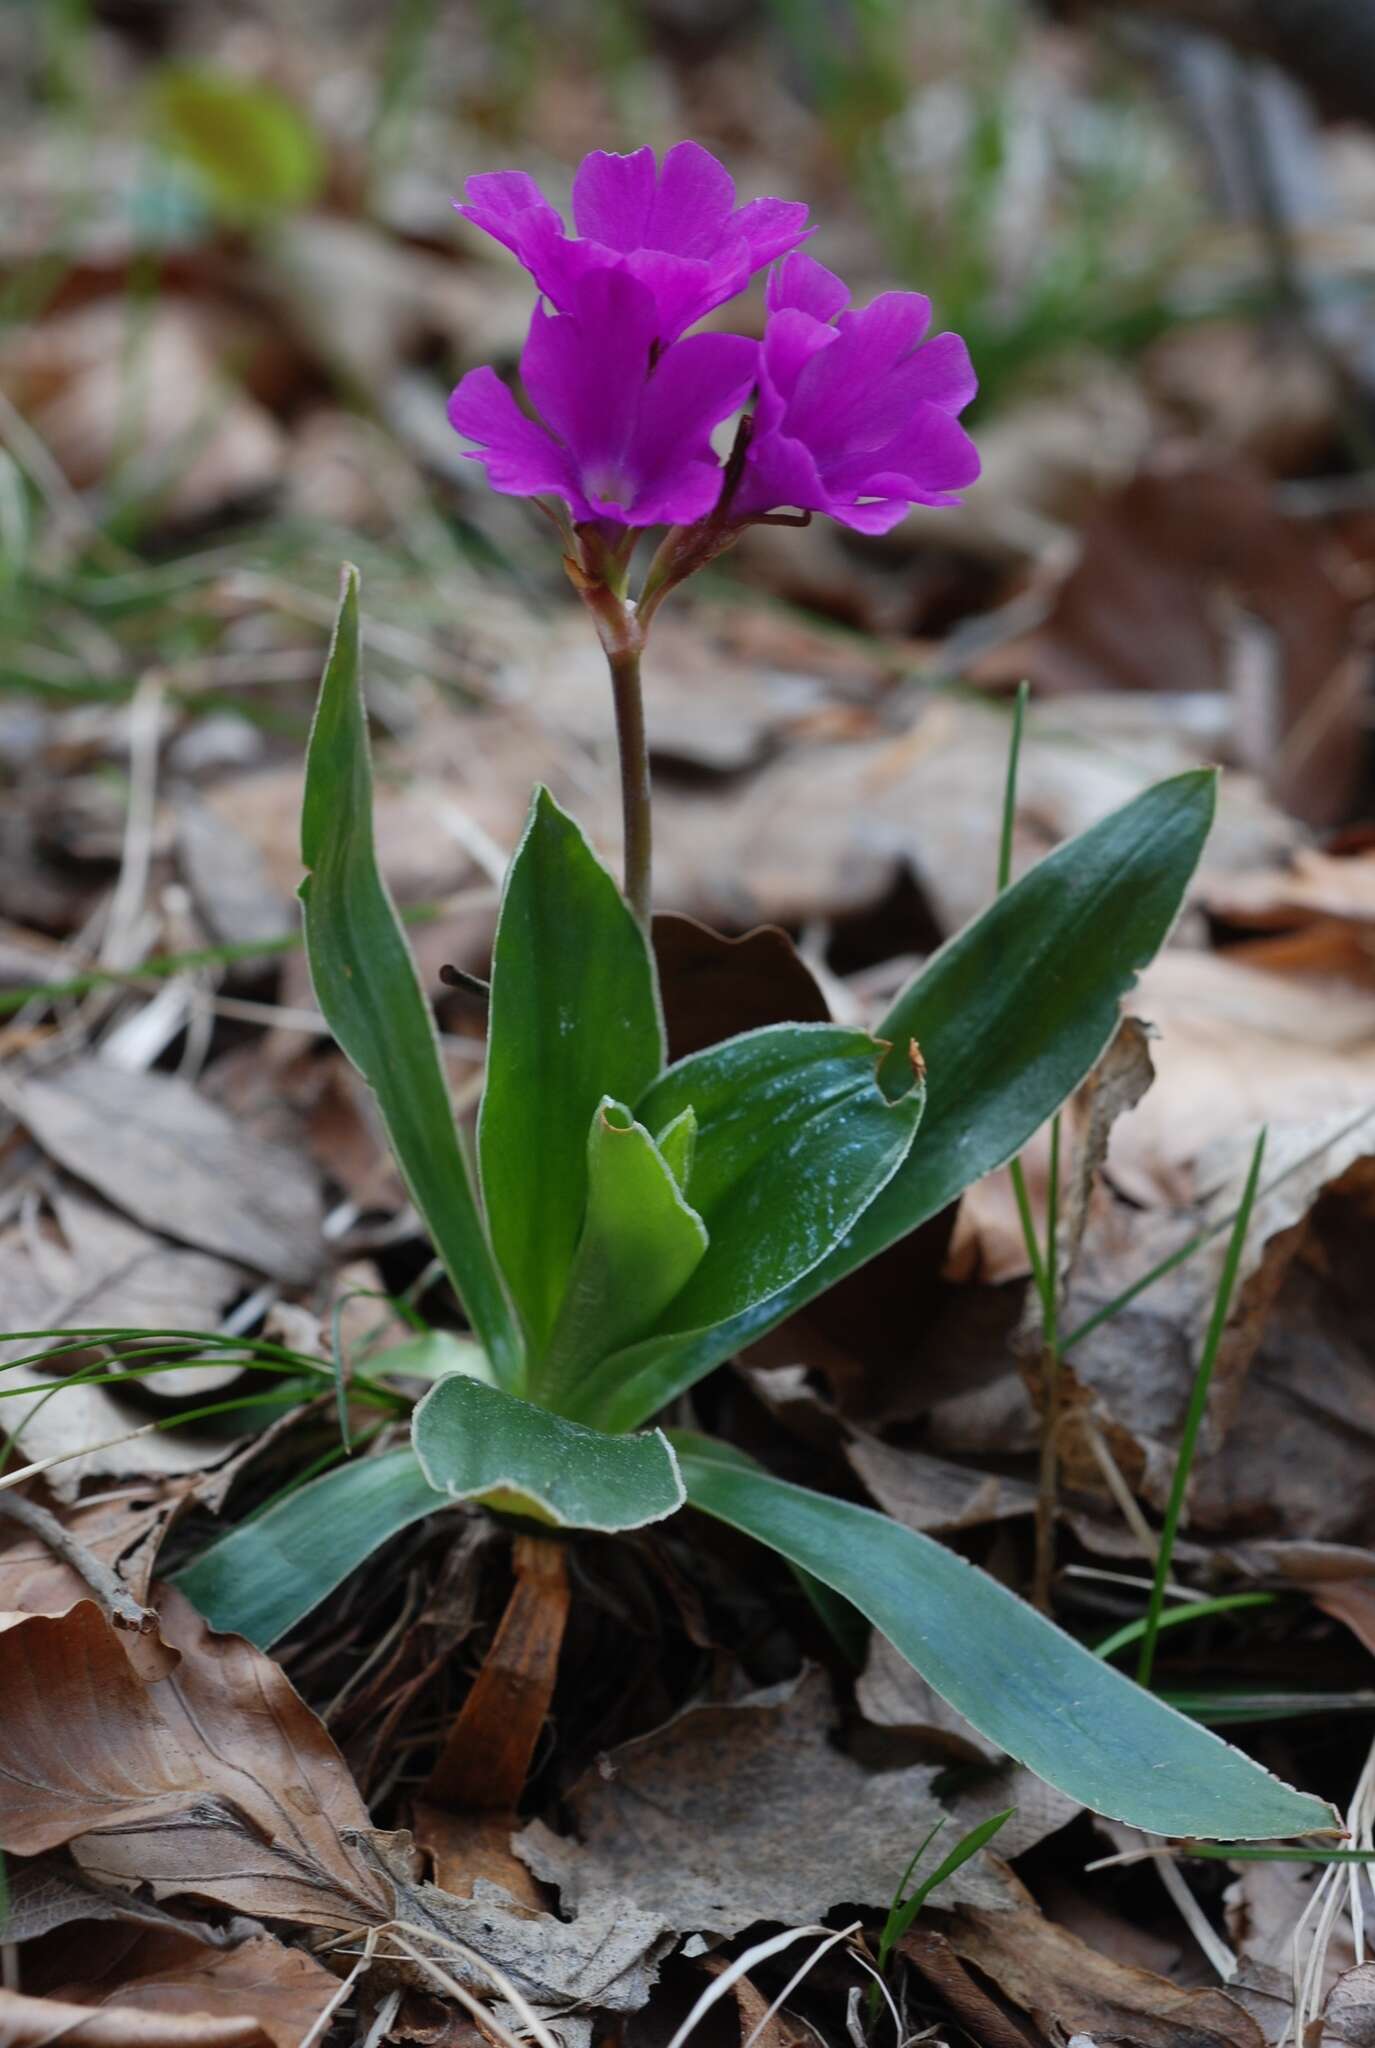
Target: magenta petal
column 791, row 339
column 505, row 204
column 678, row 498
column 803, row 285
column 928, row 458
column 780, row 472
column 696, row 384
column 947, row 375
column 771, row 227
column 692, row 204
column 612, row 197
column 520, row 457
column 887, row 329
column 585, row 370
column 876, row 515
column 686, row 287
column 853, row 396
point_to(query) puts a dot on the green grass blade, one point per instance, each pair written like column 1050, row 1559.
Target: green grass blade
column 1193, row 1420
column 1187, row 1610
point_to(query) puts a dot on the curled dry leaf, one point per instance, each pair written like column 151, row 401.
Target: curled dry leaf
column 932, row 1494
column 36, row 2022
column 171, row 1988
column 608, row 1956
column 989, row 1240
column 1143, row 608
column 712, row 986
column 216, row 1781
column 1235, row 1047
column 1313, row 888
column 1283, row 1450
column 1069, row 1988
column 47, row 1892
column 1350, row 2013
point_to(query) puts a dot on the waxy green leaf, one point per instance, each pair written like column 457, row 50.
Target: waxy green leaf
column 262, row 1577
column 367, row 987
column 1018, row 1678
column 476, row 1442
column 1010, row 1015
column 574, row 1017
column 640, row 1244
column 795, row 1137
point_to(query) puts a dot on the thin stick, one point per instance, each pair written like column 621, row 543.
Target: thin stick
column 17, row 1478
column 119, row 1605
column 1193, row 1421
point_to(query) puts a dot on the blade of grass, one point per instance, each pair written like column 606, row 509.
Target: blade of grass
column 1193, row 1421
column 1188, row 1610
column 904, row 1911
column 887, row 1938
column 1044, row 1273
column 1244, row 1852
column 1014, row 755
column 1223, row 1706
column 163, row 966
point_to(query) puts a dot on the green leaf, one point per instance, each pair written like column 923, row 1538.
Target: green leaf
column 678, row 1143
column 367, row 986
column 1012, row 1013
column 253, row 149
column 477, row 1442
column 574, row 1017
column 1019, row 1679
column 795, row 1137
column 262, row 1577
column 640, row 1244
column 428, row 1355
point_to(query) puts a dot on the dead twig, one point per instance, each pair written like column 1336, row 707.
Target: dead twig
column 117, row 1602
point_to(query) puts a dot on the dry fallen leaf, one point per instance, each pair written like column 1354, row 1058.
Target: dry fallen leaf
column 733, row 1814
column 38, row 2022
column 216, row 1781
column 82, row 1266
column 1350, row 2012
column 258, row 1991
column 1067, row 1986
column 157, row 1149
column 607, row 1956
column 202, row 442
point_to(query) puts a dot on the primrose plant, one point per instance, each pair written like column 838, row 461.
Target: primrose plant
column 634, row 1221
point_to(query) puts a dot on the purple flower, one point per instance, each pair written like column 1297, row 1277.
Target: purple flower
column 624, row 429
column 676, row 229
column 856, row 414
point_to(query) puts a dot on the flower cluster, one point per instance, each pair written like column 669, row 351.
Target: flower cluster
column 855, row 413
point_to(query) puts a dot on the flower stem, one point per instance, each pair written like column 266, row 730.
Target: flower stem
column 624, row 663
